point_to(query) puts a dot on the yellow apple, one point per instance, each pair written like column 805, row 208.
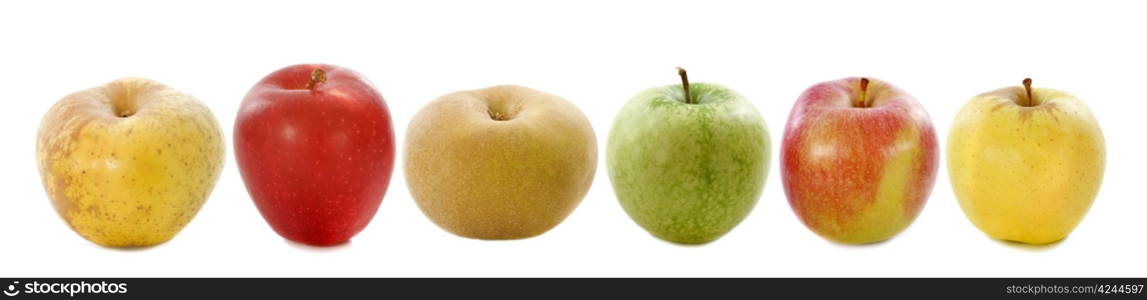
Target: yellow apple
column 129, row 163
column 1025, row 163
column 500, row 163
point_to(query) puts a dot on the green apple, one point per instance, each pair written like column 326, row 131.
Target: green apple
column 688, row 161
column 1026, row 163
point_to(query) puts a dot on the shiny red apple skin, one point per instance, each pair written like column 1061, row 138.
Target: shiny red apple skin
column 317, row 162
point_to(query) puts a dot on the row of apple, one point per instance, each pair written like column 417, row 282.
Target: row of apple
column 131, row 163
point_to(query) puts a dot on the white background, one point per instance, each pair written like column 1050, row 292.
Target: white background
column 597, row 54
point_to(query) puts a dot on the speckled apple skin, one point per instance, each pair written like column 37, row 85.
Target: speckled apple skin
column 129, row 181
column 688, row 173
column 1026, row 174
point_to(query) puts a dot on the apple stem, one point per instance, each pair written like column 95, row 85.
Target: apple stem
column 317, row 76
column 864, row 93
column 496, row 116
column 685, row 85
column 1028, row 88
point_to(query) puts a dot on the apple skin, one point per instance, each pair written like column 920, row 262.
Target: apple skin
column 688, row 173
column 1025, row 174
column 858, row 175
column 504, row 162
column 317, row 162
column 130, row 163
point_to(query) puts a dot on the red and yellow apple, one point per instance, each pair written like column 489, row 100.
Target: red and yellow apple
column 858, row 159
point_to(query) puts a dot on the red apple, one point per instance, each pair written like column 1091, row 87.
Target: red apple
column 858, row 159
column 315, row 147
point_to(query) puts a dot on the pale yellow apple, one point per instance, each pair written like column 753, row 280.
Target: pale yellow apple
column 1026, row 171
column 505, row 162
column 129, row 163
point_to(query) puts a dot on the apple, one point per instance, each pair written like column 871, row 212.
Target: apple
column 858, row 160
column 504, row 162
column 1026, row 163
column 130, row 163
column 315, row 147
column 688, row 161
